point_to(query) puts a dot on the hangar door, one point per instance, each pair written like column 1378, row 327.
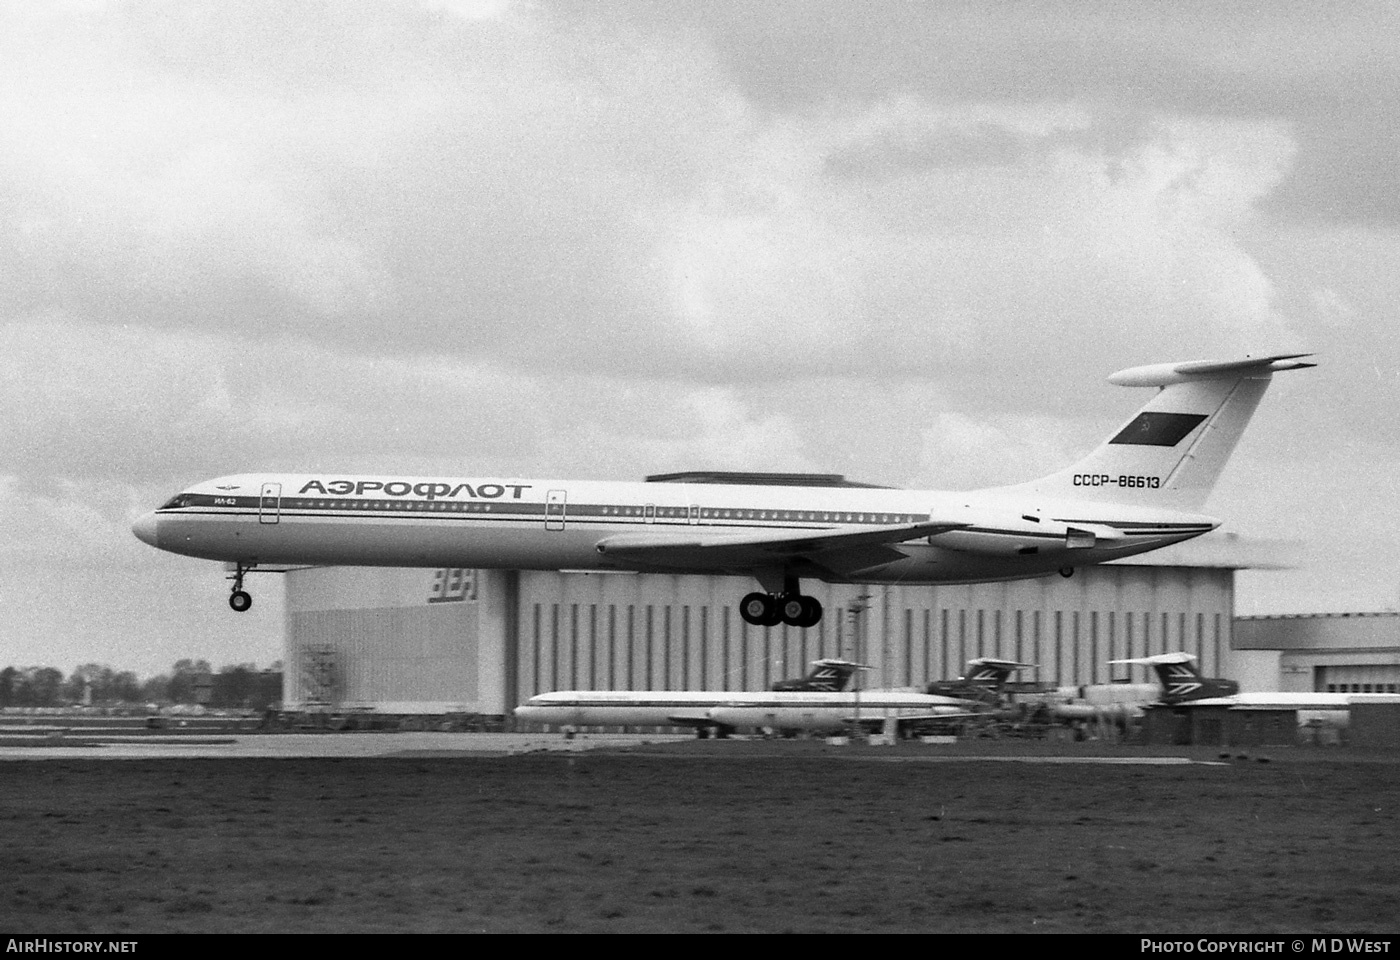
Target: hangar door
column 1359, row 678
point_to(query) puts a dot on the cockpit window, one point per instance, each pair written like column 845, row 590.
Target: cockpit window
column 177, row 501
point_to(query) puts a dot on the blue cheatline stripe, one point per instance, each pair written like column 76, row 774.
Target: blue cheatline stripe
column 497, row 512
column 622, row 512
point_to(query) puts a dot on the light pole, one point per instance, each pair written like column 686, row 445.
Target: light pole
column 857, row 608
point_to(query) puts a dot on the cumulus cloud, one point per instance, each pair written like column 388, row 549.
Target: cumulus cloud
column 501, row 191
column 515, row 193
column 961, row 451
column 82, row 523
column 86, row 400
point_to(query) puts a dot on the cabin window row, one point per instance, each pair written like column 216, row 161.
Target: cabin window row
column 439, row 506
column 718, row 513
column 678, row 513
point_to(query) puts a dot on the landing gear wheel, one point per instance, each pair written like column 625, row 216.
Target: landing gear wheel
column 1066, row 572
column 800, row 610
column 240, row 600
column 758, row 609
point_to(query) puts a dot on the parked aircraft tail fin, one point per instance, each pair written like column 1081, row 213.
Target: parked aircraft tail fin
column 985, row 678
column 1173, row 449
column 827, row 675
column 1182, row 680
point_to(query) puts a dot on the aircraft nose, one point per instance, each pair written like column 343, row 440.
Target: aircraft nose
column 147, row 529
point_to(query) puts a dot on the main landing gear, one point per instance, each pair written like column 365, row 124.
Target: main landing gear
column 240, row 600
column 792, row 607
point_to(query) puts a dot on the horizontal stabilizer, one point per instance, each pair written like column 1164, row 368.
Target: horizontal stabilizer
column 993, row 662
column 1152, row 661
column 1162, row 374
column 834, row 662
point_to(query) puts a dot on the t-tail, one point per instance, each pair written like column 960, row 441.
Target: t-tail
column 984, row 681
column 827, row 676
column 1182, row 681
column 1173, row 450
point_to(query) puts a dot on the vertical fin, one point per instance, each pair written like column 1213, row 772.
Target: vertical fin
column 827, row 675
column 1172, row 451
column 985, row 678
column 1182, row 681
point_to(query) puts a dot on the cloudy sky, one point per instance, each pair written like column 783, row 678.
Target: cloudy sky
column 903, row 241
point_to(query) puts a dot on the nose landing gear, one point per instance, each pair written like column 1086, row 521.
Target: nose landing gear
column 240, row 600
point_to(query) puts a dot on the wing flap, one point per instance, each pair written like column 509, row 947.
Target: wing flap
column 757, row 549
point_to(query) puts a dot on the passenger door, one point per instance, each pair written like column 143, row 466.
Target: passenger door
column 269, row 503
column 555, row 507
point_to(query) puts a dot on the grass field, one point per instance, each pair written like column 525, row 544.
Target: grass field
column 722, row 837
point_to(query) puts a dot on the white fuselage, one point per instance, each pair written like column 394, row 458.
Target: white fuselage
column 787, row 710
column 1129, row 700
column 558, row 524
column 1314, row 707
column 1293, row 700
column 618, row 708
column 833, row 712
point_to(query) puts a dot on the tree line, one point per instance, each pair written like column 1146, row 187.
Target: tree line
column 241, row 685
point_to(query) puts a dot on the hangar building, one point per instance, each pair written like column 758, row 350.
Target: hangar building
column 405, row 641
column 1332, row 652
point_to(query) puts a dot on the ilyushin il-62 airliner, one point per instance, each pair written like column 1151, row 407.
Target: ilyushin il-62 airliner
column 1141, row 489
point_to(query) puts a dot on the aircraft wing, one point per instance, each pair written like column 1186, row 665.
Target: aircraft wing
column 867, row 546
column 926, row 717
column 691, row 718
